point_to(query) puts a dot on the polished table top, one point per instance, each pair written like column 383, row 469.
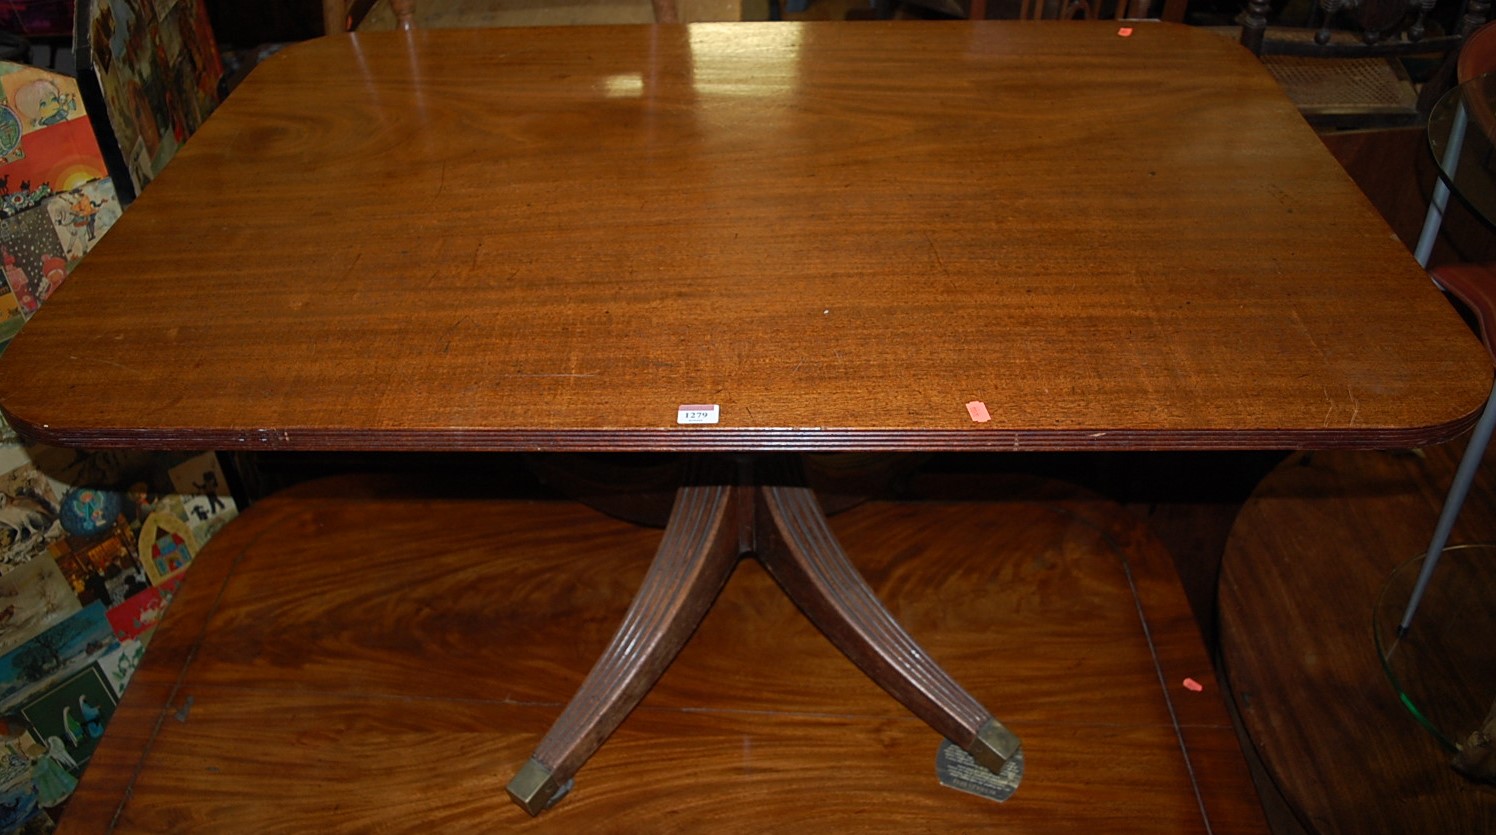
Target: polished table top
column 1462, row 136
column 839, row 233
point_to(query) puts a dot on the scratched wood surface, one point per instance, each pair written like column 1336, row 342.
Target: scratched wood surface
column 841, row 233
column 354, row 655
column 1303, row 572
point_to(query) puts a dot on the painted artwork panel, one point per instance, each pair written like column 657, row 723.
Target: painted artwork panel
column 74, row 713
column 14, row 764
column 32, row 258
column 206, row 505
column 81, row 217
column 29, row 504
column 120, row 663
column 158, row 69
column 33, row 598
column 40, row 97
column 56, row 652
column 100, row 562
column 139, row 614
column 18, row 805
column 166, row 546
column 11, row 317
column 52, row 160
column 10, row 135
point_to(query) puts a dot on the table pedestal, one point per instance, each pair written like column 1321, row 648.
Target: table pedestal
column 725, row 510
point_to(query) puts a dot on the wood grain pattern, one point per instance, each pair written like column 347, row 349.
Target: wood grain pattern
column 357, row 655
column 1301, row 577
column 550, row 239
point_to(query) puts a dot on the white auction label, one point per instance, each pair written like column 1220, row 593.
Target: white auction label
column 697, row 414
column 956, row 768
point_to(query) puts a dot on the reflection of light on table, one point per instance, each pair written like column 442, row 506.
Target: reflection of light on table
column 626, row 85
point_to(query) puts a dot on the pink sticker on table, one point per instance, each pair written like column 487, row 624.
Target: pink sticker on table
column 1125, row 31
column 1191, row 684
column 978, row 411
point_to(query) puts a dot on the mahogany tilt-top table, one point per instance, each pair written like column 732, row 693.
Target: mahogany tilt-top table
column 754, row 240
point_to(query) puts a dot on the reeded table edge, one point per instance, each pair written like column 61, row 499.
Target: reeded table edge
column 707, row 439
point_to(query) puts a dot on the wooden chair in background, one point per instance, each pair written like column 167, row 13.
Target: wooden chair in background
column 1346, row 67
column 345, row 15
column 1171, row 10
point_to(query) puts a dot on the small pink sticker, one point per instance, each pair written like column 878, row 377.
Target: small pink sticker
column 1125, row 31
column 1192, row 685
column 978, row 411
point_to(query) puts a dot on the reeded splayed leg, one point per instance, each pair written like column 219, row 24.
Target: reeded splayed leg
column 720, row 515
column 701, row 545
column 804, row 557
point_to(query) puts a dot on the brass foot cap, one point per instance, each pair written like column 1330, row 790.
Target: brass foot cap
column 994, row 746
column 534, row 788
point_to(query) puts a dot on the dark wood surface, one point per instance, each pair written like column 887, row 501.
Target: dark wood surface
column 355, row 655
column 1302, row 575
column 841, row 233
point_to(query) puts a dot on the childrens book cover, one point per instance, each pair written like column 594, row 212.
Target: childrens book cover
column 56, row 200
column 71, row 716
column 47, row 143
column 151, row 70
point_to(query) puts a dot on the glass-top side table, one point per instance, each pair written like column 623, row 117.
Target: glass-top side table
column 1460, row 130
column 1443, row 670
